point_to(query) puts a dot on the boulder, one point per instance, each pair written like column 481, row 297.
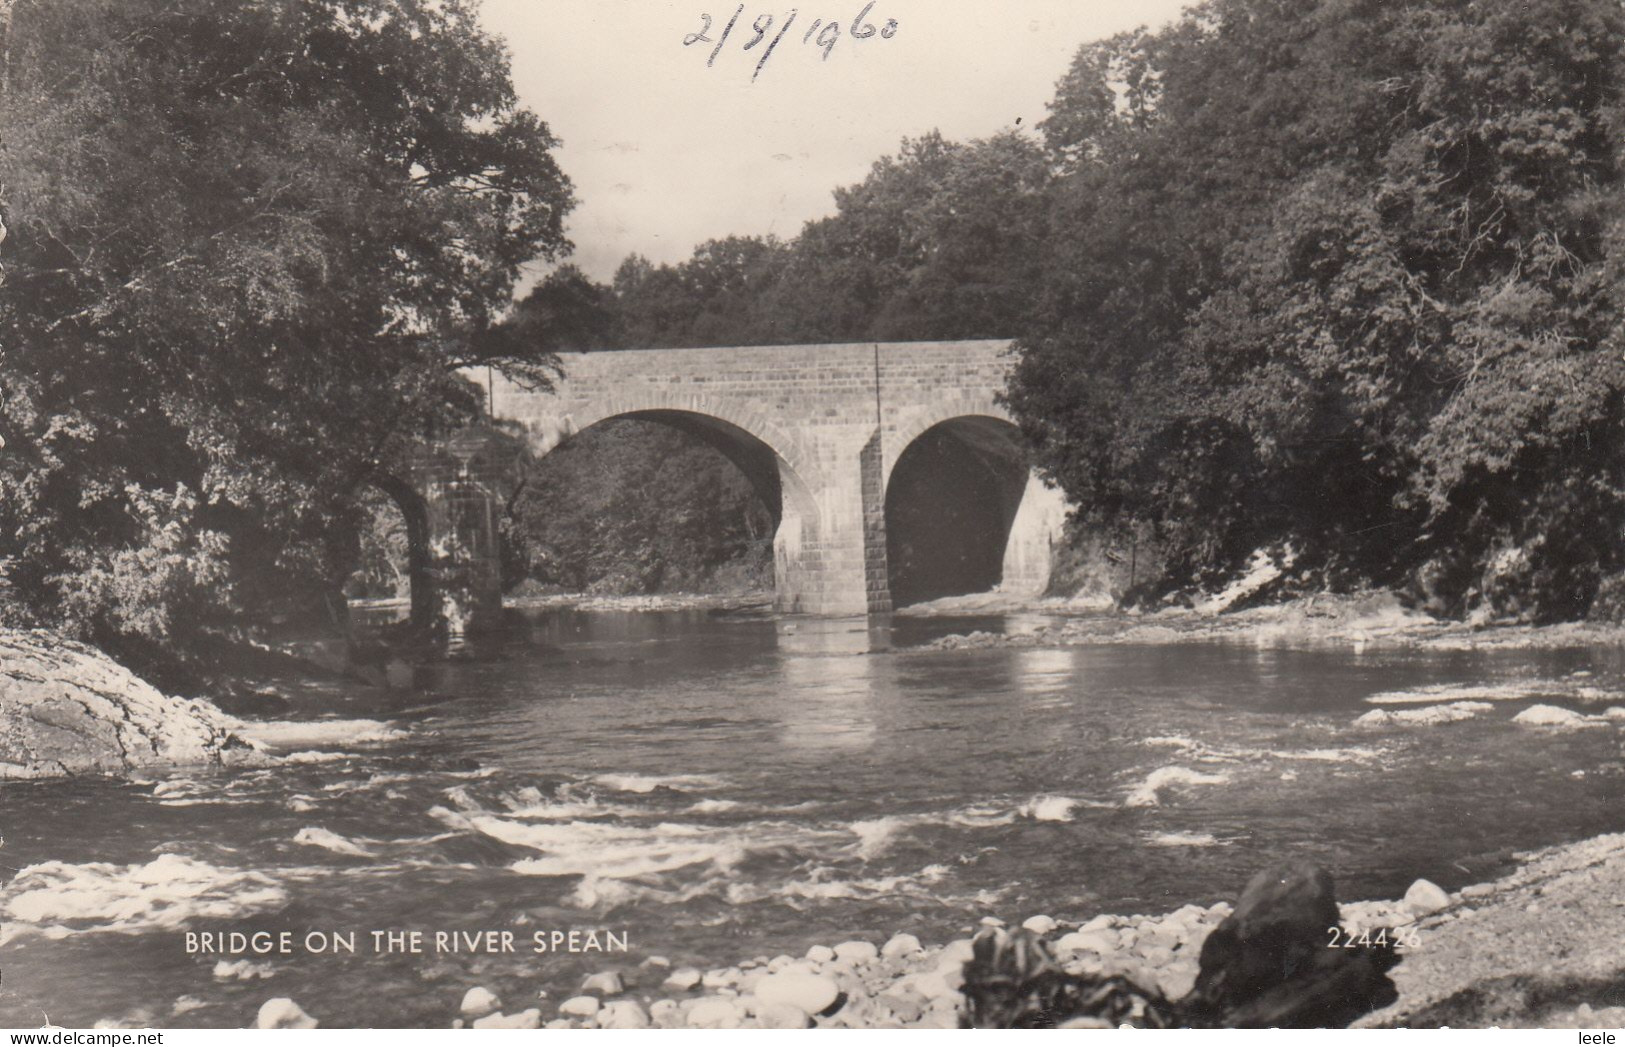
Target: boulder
column 720, row 977
column 1101, row 941
column 782, row 1016
column 900, row 945
column 604, row 983
column 666, row 1014
column 682, row 979
column 715, row 1012
column 856, row 952
column 479, row 1001
column 622, row 1014
column 820, row 954
column 812, row 993
column 579, row 1007
column 282, row 1013
column 531, row 1019
column 1425, row 896
column 67, row 709
column 1040, row 925
column 1552, row 716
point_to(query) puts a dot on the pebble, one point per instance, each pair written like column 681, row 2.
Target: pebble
column 531, row 1019
column 1425, row 896
column 604, row 983
column 682, row 979
column 479, row 1000
column 622, row 1014
column 1099, row 923
column 820, row 954
column 857, row 952
column 779, row 963
column 282, row 1013
column 900, row 945
column 560, row 1023
column 579, row 1007
column 1478, row 890
column 715, row 1012
column 812, row 993
column 655, row 961
column 1040, row 924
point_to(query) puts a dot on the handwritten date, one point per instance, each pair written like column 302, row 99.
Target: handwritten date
column 820, row 35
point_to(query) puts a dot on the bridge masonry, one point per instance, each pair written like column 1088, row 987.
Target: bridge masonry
column 819, row 431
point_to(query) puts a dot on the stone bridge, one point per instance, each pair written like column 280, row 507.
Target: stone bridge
column 891, row 472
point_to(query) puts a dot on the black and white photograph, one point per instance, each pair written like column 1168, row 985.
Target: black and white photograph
column 788, row 514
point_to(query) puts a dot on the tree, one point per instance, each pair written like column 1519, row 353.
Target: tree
column 249, row 246
column 1336, row 275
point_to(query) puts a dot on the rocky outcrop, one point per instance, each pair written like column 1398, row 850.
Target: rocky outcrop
column 67, row 709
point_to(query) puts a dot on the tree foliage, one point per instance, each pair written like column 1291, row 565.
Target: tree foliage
column 248, row 245
column 638, row 507
column 1343, row 275
column 935, row 243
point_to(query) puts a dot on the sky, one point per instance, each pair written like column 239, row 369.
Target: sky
column 667, row 151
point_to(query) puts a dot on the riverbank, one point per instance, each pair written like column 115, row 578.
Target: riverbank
column 1537, row 948
column 651, row 602
column 1375, row 620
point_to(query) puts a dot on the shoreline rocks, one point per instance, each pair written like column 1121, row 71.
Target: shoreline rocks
column 67, row 709
column 906, row 984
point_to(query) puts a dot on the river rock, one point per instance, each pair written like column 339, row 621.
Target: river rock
column 622, row 1014
column 579, row 1007
column 720, row 977
column 812, row 993
column 604, row 983
column 1425, row 896
column 479, row 1000
column 820, row 954
column 282, row 1013
column 899, row 945
column 715, row 1012
column 1040, row 925
column 1100, row 941
column 1552, row 716
column 66, row 709
column 682, row 979
column 666, row 1014
column 531, row 1019
column 781, row 1016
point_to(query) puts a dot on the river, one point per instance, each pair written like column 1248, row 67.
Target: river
column 714, row 787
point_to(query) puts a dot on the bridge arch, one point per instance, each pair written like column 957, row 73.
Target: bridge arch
column 414, row 509
column 760, row 449
column 964, row 512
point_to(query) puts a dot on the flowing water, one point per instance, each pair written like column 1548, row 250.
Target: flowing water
column 710, row 788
